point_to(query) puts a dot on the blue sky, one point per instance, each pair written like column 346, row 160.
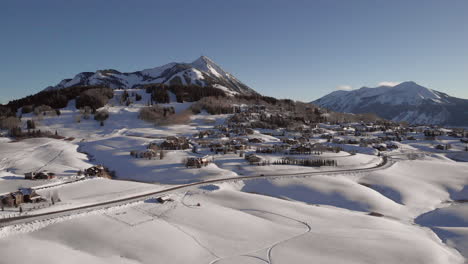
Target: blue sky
column 287, row 49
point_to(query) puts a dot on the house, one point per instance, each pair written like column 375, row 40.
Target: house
column 338, row 141
column 197, row 162
column 253, row 159
column 163, row 199
column 290, row 141
column 16, row 199
column 301, row 149
column 99, row 171
column 23, row 195
column 265, row 149
column 216, row 147
column 255, row 140
column 42, row 175
column 9, row 200
column 30, row 195
column 249, row 131
column 153, row 146
column 175, row 143
column 380, row 147
column 443, row 147
column 147, row 154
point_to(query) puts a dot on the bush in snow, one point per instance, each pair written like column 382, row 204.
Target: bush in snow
column 101, row 115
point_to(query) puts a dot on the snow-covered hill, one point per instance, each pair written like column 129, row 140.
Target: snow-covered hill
column 203, row 71
column 406, row 101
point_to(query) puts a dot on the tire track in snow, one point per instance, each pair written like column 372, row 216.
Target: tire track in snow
column 270, row 248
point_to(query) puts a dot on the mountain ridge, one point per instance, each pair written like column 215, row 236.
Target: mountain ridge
column 201, row 72
column 407, row 101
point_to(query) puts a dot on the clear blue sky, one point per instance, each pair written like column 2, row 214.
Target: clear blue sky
column 287, row 49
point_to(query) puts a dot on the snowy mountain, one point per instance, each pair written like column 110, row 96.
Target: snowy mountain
column 203, row 71
column 406, row 101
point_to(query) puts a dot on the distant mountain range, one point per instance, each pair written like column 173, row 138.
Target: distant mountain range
column 406, row 101
column 202, row 72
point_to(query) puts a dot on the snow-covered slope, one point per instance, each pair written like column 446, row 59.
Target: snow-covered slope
column 406, row 101
column 203, row 71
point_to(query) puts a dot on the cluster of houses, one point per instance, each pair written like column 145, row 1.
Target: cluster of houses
column 155, row 150
column 228, row 146
column 23, row 195
column 238, row 136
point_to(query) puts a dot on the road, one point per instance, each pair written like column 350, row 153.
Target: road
column 386, row 162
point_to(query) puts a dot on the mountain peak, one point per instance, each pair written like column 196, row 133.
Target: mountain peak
column 203, row 60
column 207, row 65
column 202, row 72
column 408, row 83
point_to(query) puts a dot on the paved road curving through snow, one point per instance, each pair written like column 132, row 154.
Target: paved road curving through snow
column 385, row 163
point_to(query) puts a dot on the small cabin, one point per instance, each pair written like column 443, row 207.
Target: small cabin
column 99, row 171
column 440, row 147
column 381, row 147
column 255, row 140
column 42, row 175
column 253, row 159
column 196, row 162
column 302, row 149
column 30, row 195
column 175, row 143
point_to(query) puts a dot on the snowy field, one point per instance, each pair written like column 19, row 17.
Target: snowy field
column 412, row 211
column 226, row 224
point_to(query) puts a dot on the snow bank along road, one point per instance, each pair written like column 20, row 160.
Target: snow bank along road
column 385, row 163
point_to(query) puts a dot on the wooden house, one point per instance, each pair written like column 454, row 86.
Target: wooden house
column 8, row 200
column 197, row 162
column 42, row 175
column 301, row 149
column 175, row 143
column 255, row 140
column 253, row 159
column 99, row 171
column 153, row 146
column 30, row 195
column 290, row 141
column 380, row 147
